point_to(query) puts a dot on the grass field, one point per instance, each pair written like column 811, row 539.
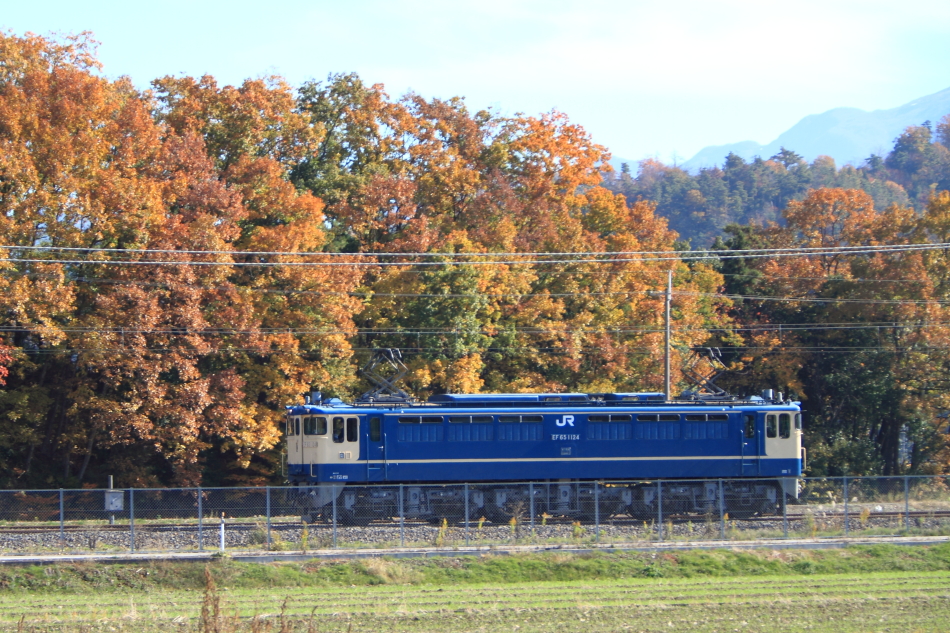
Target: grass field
column 881, row 588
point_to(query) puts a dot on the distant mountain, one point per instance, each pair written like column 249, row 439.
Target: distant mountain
column 848, row 135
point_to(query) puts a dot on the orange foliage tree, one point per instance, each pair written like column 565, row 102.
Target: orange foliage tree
column 245, row 217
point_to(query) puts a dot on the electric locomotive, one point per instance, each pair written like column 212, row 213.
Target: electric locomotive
column 744, row 454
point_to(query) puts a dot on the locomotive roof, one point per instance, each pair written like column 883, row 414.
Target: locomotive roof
column 559, row 400
column 522, row 399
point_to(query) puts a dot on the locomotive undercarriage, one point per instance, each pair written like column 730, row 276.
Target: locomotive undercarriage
column 499, row 502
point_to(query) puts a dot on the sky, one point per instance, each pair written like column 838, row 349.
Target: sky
column 646, row 79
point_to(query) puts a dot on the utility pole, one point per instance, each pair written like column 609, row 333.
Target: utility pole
column 666, row 340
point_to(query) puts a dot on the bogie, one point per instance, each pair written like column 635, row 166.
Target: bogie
column 518, row 503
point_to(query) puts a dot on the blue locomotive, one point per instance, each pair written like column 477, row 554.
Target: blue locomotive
column 560, row 442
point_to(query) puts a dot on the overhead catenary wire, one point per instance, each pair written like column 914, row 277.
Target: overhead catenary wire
column 519, row 349
column 369, row 294
column 707, row 252
column 485, row 331
column 561, row 258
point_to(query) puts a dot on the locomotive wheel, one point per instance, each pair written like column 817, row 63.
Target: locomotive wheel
column 350, row 518
column 450, row 519
column 640, row 511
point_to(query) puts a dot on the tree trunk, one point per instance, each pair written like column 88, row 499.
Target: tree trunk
column 85, row 461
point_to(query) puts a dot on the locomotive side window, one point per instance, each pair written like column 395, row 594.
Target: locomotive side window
column 749, row 425
column 338, row 430
column 296, row 426
column 375, row 430
column 784, row 425
column 432, row 419
column 509, row 419
column 470, row 419
column 619, row 418
column 352, row 429
column 321, row 424
column 721, row 417
column 771, row 429
column 666, row 417
column 532, row 418
column 695, row 417
column 409, row 419
column 647, row 418
column 798, row 421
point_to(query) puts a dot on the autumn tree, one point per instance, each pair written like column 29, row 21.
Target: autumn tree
column 851, row 334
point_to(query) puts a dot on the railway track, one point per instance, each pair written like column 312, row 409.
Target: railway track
column 617, row 520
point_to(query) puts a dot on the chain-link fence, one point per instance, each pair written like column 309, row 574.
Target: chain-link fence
column 307, row 518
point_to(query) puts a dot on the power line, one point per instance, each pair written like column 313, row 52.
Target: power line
column 605, row 258
column 487, row 331
column 707, row 253
column 557, row 351
column 172, row 286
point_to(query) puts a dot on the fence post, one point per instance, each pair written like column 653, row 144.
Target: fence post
column 62, row 521
column 906, row 503
column 785, row 512
column 597, row 511
column 466, row 515
column 402, row 521
column 531, row 503
column 132, row 520
column 722, row 513
column 221, row 545
column 334, row 522
column 846, row 526
column 201, row 545
column 267, row 495
column 659, row 509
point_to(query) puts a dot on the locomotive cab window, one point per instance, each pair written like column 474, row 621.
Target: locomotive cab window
column 749, row 425
column 784, row 425
column 296, row 426
column 315, row 426
column 771, row 427
column 375, row 430
column 338, row 430
column 352, row 429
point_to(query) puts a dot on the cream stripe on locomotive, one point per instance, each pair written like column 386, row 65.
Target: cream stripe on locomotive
column 396, row 462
